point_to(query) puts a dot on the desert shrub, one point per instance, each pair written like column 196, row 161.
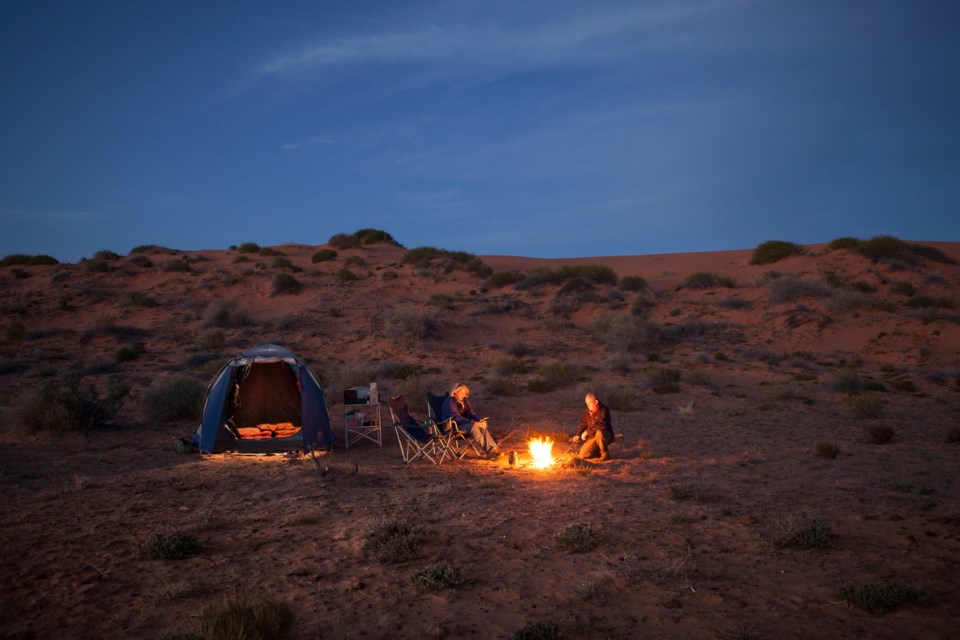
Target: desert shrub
column 558, row 373
column 344, row 275
column 422, row 257
column 903, row 287
column 870, row 407
column 517, row 348
column 226, row 313
column 375, row 236
column 707, row 280
column 171, row 399
column 801, row 532
column 508, row 366
column 618, row 397
column 827, row 450
column 96, row 265
column 626, row 333
column 775, row 250
column 931, row 253
column 324, row 255
column 249, row 247
column 398, row 371
column 170, row 544
column 664, row 379
column 788, row 288
column 131, row 352
column 106, row 254
column 881, row 434
column 240, row 617
column 577, row 538
column 596, row 273
column 408, row 324
column 921, row 302
column 285, row 283
column 177, row 265
column 441, row 301
column 862, row 287
column 500, row 279
column 354, row 261
column 71, row 402
column 27, row 260
column 150, row 248
column 439, row 576
column 538, row 630
column 845, row 243
column 879, row 598
column 392, row 540
column 884, row 247
column 503, row 385
column 280, row 262
column 634, row 283
column 344, row 241
column 211, row 340
column 140, row 299
column 847, row 380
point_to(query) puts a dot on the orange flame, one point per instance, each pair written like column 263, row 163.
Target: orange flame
column 541, row 452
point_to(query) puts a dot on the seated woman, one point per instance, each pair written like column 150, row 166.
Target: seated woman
column 457, row 408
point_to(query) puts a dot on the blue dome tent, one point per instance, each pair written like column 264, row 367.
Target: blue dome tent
column 265, row 400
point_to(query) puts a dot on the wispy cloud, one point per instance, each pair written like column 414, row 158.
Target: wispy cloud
column 579, row 38
column 309, row 142
column 49, row 216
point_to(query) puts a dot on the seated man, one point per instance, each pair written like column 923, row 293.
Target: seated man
column 457, row 408
column 595, row 431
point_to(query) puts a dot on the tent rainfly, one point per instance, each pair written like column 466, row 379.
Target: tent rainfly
column 265, row 400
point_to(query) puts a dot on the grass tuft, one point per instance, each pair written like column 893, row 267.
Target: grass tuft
column 827, row 450
column 170, row 544
column 577, row 538
column 879, row 598
column 239, row 616
column 392, row 540
column 439, row 576
column 801, row 532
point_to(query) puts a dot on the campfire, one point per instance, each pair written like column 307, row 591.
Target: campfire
column 541, row 452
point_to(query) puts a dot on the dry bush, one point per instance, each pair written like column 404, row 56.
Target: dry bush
column 626, row 333
column 879, row 598
column 827, row 450
column 577, row 538
column 172, row 399
column 170, row 544
column 775, row 250
column 408, row 324
column 285, row 283
column 788, row 288
column 439, row 576
column 867, row 407
column 226, row 313
column 239, row 616
column 881, row 434
column 393, row 540
column 72, row 402
column 801, row 532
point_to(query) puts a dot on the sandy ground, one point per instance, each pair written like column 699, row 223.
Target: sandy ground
column 685, row 513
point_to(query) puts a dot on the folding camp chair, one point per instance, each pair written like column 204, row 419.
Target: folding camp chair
column 456, row 443
column 417, row 439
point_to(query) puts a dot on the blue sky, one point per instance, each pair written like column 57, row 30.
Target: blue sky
column 545, row 129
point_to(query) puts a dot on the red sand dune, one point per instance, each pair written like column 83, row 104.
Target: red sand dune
column 707, row 472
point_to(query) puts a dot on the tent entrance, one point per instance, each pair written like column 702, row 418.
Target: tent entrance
column 266, row 401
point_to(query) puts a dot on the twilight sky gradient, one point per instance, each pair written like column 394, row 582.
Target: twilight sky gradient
column 545, row 128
